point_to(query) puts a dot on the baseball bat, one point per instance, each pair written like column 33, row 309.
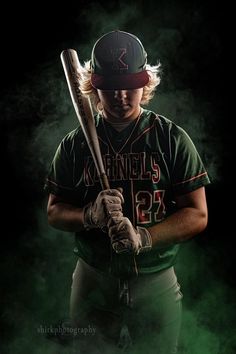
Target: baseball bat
column 83, row 109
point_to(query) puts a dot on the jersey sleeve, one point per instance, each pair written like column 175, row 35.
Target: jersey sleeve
column 59, row 180
column 188, row 172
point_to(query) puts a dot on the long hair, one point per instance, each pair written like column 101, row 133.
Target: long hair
column 148, row 90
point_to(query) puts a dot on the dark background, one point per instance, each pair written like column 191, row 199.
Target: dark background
column 193, row 42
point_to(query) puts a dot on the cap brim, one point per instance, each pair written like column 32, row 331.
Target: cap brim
column 120, row 82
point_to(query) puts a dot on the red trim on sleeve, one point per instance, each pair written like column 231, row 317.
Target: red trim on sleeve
column 191, row 179
column 57, row 185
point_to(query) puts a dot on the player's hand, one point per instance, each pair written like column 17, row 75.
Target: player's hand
column 108, row 202
column 125, row 238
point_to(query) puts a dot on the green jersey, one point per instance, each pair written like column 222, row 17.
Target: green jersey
column 152, row 159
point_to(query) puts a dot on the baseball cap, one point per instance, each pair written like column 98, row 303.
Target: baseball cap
column 118, row 62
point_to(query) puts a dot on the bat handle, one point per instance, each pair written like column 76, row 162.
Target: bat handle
column 104, row 181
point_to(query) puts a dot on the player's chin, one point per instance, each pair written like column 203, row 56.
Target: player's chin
column 123, row 111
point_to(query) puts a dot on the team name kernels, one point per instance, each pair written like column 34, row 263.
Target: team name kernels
column 128, row 166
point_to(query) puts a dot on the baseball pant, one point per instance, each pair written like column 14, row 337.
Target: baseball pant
column 149, row 322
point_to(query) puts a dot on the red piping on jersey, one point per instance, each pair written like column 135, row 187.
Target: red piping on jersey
column 191, row 179
column 142, row 133
column 132, row 187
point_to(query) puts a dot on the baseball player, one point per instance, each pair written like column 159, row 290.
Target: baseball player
column 127, row 238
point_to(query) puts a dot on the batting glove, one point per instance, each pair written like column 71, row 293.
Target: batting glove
column 107, row 203
column 125, row 238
